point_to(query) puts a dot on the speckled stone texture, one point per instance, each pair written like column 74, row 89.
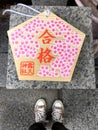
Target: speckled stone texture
column 81, row 109
column 3, row 69
column 84, row 75
column 17, row 107
column 4, row 25
column 50, row 2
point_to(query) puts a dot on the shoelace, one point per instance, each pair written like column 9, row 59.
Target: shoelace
column 57, row 116
column 40, row 115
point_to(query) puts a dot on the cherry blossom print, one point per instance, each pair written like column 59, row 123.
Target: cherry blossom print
column 48, row 72
column 73, row 39
column 53, row 43
column 27, row 49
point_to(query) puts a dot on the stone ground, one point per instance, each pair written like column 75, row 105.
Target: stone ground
column 81, row 108
column 16, row 106
column 4, row 25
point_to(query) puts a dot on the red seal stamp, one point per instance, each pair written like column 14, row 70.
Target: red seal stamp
column 27, row 68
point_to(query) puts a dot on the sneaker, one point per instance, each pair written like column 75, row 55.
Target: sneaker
column 58, row 111
column 40, row 111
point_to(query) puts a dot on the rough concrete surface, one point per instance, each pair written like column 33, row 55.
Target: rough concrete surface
column 4, row 25
column 50, row 2
column 3, row 69
column 81, row 109
column 16, row 107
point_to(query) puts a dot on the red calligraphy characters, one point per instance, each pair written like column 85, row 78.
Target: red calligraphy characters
column 44, row 56
column 46, row 37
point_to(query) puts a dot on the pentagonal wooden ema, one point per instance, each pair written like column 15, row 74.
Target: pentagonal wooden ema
column 45, row 48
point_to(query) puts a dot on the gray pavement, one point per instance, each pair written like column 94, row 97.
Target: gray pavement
column 4, row 25
column 16, row 107
column 81, row 109
column 3, row 69
column 50, row 2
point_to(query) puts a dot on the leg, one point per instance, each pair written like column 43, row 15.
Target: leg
column 58, row 126
column 37, row 126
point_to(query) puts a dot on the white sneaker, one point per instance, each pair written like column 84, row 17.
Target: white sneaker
column 40, row 111
column 58, row 111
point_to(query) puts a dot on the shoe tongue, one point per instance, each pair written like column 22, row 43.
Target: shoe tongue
column 58, row 116
column 58, row 111
column 41, row 108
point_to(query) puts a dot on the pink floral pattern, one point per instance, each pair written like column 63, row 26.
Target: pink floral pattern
column 65, row 47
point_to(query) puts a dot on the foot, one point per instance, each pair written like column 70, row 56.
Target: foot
column 40, row 111
column 58, row 111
